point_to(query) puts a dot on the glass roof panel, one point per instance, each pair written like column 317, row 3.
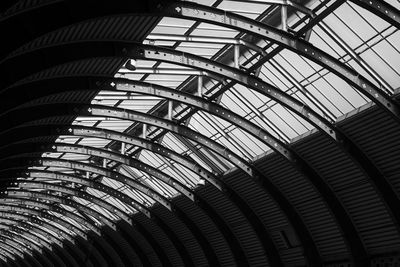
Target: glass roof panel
column 372, row 40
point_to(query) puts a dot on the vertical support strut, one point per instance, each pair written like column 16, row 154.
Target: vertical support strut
column 144, row 135
column 123, row 148
column 236, row 55
column 170, row 108
column 284, row 17
column 200, row 85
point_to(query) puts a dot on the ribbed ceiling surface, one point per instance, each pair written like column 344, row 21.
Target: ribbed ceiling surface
column 199, row 133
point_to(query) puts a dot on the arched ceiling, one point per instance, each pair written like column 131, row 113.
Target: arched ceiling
column 218, row 133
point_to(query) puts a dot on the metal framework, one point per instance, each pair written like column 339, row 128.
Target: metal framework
column 84, row 131
column 161, row 54
column 109, row 207
column 387, row 193
column 186, row 75
column 48, row 236
column 37, row 237
column 11, row 245
column 131, row 202
column 34, row 205
column 349, row 229
column 231, row 20
column 94, row 110
column 46, row 215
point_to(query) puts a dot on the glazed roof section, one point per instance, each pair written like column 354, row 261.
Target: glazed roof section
column 350, row 34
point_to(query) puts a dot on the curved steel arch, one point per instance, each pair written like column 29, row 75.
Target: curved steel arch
column 10, row 253
column 80, row 194
column 103, row 171
column 336, row 207
column 386, row 191
column 31, row 218
column 132, row 49
column 22, row 242
column 110, row 174
column 163, row 54
column 26, row 184
column 272, row 142
column 379, row 8
column 35, row 212
column 191, row 226
column 92, row 184
column 39, row 236
column 96, row 185
column 291, row 214
column 12, row 246
column 18, row 260
column 121, row 137
column 219, row 222
column 45, row 206
column 106, row 189
column 382, row 9
column 12, row 240
column 344, row 143
column 215, row 109
column 89, row 131
column 38, row 195
column 41, row 213
column 126, row 49
column 31, row 242
column 212, row 15
column 362, row 161
column 9, row 249
column 156, row 148
column 155, row 90
column 112, row 112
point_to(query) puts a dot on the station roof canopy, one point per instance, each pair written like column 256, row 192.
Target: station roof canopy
column 204, row 132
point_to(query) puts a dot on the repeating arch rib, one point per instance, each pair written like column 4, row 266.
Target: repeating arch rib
column 383, row 186
column 43, row 206
column 126, row 180
column 57, row 199
column 8, row 251
column 363, row 162
column 45, row 238
column 140, row 87
column 258, row 177
column 32, row 240
column 35, row 212
column 41, row 213
column 82, row 166
column 162, row 54
column 382, row 9
column 199, row 12
column 153, row 147
column 35, row 204
column 236, row 249
column 32, row 219
column 24, row 150
column 11, row 243
column 39, row 237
